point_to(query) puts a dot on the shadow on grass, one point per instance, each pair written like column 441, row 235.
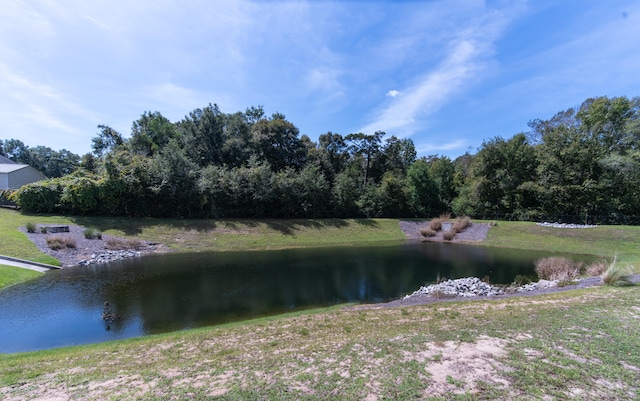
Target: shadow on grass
column 136, row 225
column 289, row 227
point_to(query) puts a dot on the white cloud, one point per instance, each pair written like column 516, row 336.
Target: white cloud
column 466, row 53
column 430, row 148
column 429, row 92
column 393, row 93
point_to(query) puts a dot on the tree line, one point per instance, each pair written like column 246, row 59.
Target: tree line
column 583, row 161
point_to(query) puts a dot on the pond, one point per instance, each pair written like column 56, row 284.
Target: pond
column 162, row 293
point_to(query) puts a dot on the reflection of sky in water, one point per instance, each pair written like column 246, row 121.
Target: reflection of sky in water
column 174, row 292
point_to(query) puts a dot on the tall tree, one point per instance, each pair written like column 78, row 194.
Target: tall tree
column 107, row 140
column 202, row 132
column 151, row 132
column 366, row 146
column 276, row 141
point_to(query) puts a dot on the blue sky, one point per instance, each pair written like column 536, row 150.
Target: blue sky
column 447, row 74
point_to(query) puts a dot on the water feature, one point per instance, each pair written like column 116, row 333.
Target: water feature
column 163, row 293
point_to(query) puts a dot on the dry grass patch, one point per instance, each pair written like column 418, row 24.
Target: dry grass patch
column 557, row 268
column 427, row 232
column 60, row 241
column 119, row 243
column 436, row 224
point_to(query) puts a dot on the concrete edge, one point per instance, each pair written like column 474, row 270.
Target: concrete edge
column 28, row 262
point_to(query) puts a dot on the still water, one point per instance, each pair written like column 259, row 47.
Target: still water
column 162, row 293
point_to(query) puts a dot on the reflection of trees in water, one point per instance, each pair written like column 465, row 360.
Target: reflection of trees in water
column 180, row 291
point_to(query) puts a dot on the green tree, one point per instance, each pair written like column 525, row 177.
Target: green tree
column 106, row 141
column 276, row 141
column 422, row 190
column 174, row 179
column 367, row 147
column 152, row 132
column 202, row 132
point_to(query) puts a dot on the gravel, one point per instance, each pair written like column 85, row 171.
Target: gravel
column 89, row 251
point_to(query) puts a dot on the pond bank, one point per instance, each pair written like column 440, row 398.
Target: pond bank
column 107, row 248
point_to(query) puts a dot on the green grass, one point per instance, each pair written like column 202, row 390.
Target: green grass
column 574, row 344
column 604, row 241
column 12, row 275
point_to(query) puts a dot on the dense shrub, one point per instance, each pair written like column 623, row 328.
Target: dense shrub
column 39, row 197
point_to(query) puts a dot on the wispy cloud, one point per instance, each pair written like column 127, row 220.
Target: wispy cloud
column 403, row 115
column 464, row 57
column 430, row 148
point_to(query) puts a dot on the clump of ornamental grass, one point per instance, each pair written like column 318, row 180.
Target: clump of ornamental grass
column 60, row 241
column 31, row 227
column 43, row 229
column 617, row 275
column 449, row 235
column 91, row 233
column 521, row 280
column 118, row 244
column 596, row 268
column 461, row 224
column 435, row 224
column 427, row 232
column 557, row 268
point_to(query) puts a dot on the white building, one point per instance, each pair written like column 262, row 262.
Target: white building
column 14, row 175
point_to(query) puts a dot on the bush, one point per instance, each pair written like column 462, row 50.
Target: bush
column 521, row 280
column 39, row 197
column 557, row 268
column 435, row 224
column 31, row 227
column 43, row 229
column 117, row 244
column 427, row 232
column 460, row 224
column 596, row 268
column 449, row 235
column 617, row 275
column 59, row 242
column 91, row 233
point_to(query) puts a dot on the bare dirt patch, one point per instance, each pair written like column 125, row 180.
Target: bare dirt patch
column 461, row 366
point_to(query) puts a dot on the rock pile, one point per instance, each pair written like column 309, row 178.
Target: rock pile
column 565, row 225
column 537, row 286
column 109, row 256
column 462, row 287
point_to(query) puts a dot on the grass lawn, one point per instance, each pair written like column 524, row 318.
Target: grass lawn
column 10, row 275
column 605, row 241
column 577, row 344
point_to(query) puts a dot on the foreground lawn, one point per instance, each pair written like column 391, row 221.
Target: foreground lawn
column 577, row 344
column 11, row 275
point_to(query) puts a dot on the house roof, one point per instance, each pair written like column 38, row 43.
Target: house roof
column 6, row 160
column 9, row 168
